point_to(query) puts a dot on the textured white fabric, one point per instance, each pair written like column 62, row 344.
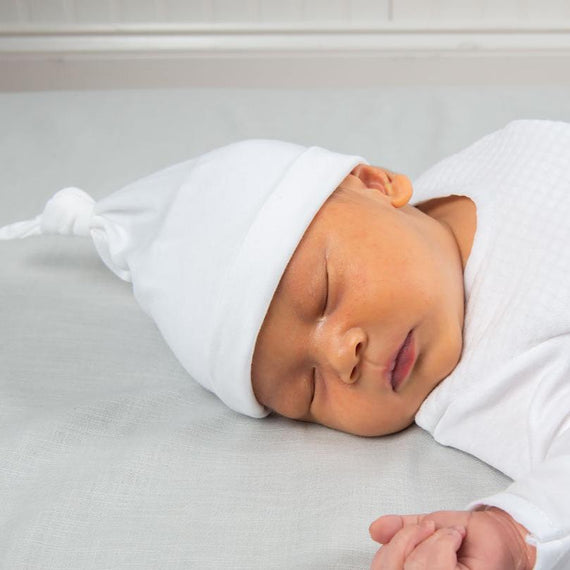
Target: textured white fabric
column 205, row 243
column 508, row 400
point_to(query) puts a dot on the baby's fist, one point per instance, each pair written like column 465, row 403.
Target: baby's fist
column 485, row 539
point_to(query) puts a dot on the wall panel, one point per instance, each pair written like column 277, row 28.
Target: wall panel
column 552, row 9
column 102, row 11
column 341, row 12
column 9, row 12
column 45, row 11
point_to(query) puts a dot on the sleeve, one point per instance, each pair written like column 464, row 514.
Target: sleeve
column 541, row 502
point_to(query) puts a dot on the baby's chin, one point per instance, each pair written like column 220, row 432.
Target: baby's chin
column 370, row 428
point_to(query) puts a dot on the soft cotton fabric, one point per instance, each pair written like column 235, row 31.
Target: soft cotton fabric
column 508, row 400
column 205, row 243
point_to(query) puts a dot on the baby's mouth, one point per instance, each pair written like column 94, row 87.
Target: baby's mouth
column 403, row 362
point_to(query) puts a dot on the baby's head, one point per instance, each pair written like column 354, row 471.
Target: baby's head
column 285, row 278
column 371, row 274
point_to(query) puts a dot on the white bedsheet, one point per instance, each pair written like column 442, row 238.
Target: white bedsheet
column 111, row 457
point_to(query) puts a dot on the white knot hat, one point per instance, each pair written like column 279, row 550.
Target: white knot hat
column 205, row 243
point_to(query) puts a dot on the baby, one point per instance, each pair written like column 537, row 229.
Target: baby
column 372, row 303
column 324, row 295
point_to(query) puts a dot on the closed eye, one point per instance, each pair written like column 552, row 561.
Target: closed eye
column 313, row 384
column 326, row 296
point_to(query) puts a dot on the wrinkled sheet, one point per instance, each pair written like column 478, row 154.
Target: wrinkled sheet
column 110, row 455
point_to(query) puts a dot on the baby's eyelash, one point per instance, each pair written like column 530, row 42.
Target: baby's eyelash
column 313, row 384
column 326, row 301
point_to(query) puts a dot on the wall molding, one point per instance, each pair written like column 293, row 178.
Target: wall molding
column 277, row 55
column 292, row 38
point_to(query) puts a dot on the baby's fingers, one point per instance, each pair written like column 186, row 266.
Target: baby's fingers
column 438, row 551
column 393, row 554
column 384, row 528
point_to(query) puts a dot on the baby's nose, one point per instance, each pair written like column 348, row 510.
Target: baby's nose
column 343, row 353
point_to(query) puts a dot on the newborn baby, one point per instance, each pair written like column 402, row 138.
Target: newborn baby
column 372, row 306
column 314, row 285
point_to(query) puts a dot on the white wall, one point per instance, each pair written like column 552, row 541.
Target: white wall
column 71, row 13
column 135, row 43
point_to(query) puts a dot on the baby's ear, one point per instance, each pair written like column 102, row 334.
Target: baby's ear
column 397, row 187
column 373, row 176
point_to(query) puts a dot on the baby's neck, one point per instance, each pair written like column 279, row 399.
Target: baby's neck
column 459, row 214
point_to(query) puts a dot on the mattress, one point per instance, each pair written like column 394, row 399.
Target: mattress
column 111, row 456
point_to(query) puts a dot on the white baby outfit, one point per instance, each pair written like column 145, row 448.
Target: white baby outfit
column 508, row 400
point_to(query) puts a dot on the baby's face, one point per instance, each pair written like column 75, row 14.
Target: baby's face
column 369, row 271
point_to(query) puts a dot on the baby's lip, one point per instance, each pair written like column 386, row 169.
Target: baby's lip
column 404, row 364
column 391, row 364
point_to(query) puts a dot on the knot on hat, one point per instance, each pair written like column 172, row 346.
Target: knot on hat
column 68, row 212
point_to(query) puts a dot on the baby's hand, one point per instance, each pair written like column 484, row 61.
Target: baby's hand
column 487, row 539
